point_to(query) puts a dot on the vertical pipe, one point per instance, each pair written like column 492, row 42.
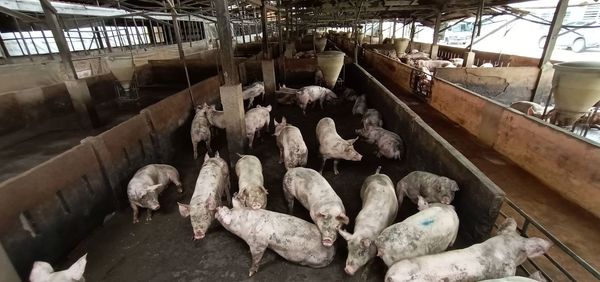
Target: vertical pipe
column 80, row 37
column 22, row 38
column 153, row 37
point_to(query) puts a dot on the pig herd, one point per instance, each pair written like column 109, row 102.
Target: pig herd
column 413, row 249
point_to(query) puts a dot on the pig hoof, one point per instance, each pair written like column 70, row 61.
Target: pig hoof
column 336, row 172
column 136, row 221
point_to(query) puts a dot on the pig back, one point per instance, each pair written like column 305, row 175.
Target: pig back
column 212, row 180
column 311, row 189
column 325, row 128
column 249, row 171
column 379, row 203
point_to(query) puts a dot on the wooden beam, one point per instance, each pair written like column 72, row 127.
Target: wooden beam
column 265, row 34
column 230, row 70
column 59, row 37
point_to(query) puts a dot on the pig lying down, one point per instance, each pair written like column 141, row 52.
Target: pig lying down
column 432, row 187
column 332, row 146
column 256, row 120
column 372, row 117
column 292, row 238
column 212, row 183
column 497, row 257
column 254, row 90
column 200, row 130
column 43, row 272
column 432, row 230
column 316, row 195
column 145, row 186
column 311, row 94
column 379, row 209
column 252, row 193
column 292, row 149
column 389, row 144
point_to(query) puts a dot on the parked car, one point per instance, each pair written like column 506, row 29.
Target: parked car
column 576, row 39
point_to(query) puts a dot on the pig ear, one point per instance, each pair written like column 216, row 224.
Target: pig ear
column 184, row 210
column 351, row 141
column 508, row 226
column 321, row 214
column 206, row 157
column 343, row 218
column 366, row 242
column 217, row 155
column 269, row 108
column 283, row 120
column 75, row 272
column 235, row 201
column 40, row 271
column 153, row 188
column 347, row 236
column 211, row 204
column 264, row 190
column 454, row 187
column 535, row 247
column 422, row 204
column 276, row 123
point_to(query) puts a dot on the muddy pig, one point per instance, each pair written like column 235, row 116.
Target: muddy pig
column 332, row 146
column 379, row 209
column 432, row 230
column 252, row 192
column 360, row 105
column 215, row 118
column 311, row 94
column 200, row 130
column 389, row 144
column 43, row 272
column 292, row 149
column 257, row 119
column 292, row 238
column 497, row 257
column 212, row 183
column 316, row 195
column 432, row 187
column 254, row 90
column 145, row 186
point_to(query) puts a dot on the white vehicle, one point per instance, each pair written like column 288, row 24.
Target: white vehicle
column 459, row 34
column 576, row 39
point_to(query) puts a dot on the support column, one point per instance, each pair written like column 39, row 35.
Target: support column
column 231, row 92
column 436, row 35
column 412, row 35
column 468, row 59
column 543, row 65
column 268, row 72
column 78, row 89
column 380, row 31
column 265, row 35
column 394, row 30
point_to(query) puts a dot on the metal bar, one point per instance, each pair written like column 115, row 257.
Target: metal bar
column 33, row 43
column 171, row 34
column 99, row 42
column 180, row 48
column 153, row 37
column 241, row 13
column 137, row 32
column 189, row 31
column 80, row 37
column 265, row 34
column 47, row 44
column 380, row 30
column 394, row 29
column 495, row 30
column 129, row 35
column 118, row 30
column 106, row 36
column 22, row 38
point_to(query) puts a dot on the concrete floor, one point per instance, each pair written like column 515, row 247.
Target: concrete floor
column 27, row 154
column 163, row 249
column 571, row 224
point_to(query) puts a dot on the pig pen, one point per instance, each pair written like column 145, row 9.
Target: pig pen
column 93, row 218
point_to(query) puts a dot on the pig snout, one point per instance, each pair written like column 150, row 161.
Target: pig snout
column 199, row 235
column 446, row 200
column 256, row 206
column 154, row 207
column 356, row 157
column 379, row 252
column 327, row 242
column 349, row 270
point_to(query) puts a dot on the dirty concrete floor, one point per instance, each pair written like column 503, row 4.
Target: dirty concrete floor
column 574, row 226
column 35, row 150
column 163, row 249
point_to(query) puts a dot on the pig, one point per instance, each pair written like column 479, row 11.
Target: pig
column 433, row 64
column 146, row 185
column 389, row 144
column 457, row 61
column 349, row 94
column 215, row 118
column 292, row 149
column 310, row 94
column 315, row 194
column 286, row 95
column 486, row 65
column 200, row 130
column 332, row 146
column 372, row 117
column 529, row 108
column 294, row 239
column 254, row 90
column 319, row 77
column 257, row 119
column 496, row 257
column 252, row 192
column 432, row 230
column 212, row 183
column 43, row 272
column 379, row 209
column 360, row 105
column 432, row 187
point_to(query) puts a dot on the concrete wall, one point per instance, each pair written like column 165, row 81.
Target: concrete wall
column 200, row 66
column 479, row 200
column 47, row 210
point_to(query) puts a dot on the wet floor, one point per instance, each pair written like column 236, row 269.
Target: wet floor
column 163, row 249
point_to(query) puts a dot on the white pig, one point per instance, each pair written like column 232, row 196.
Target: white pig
column 254, row 90
column 215, row 118
column 332, row 146
column 379, row 209
column 457, row 61
column 200, row 130
column 349, row 94
column 432, row 230
column 486, row 65
column 497, row 257
column 252, row 192
column 316, row 195
column 147, row 184
column 292, row 149
column 432, row 187
column 292, row 238
column 43, row 272
column 389, row 144
column 309, row 94
column 256, row 120
column 372, row 117
column 360, row 105
column 212, row 183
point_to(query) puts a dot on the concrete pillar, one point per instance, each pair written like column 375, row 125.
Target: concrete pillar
column 469, row 59
column 242, row 73
column 7, row 270
column 82, row 103
column 233, row 105
column 434, row 51
column 268, row 72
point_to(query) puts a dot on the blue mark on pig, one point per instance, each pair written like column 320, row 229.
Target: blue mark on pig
column 427, row 222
